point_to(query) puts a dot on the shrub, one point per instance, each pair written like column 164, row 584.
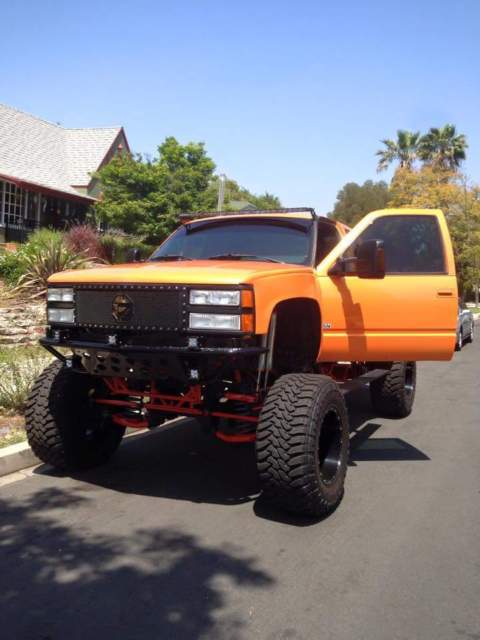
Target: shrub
column 118, row 247
column 84, row 239
column 16, row 380
column 41, row 237
column 109, row 247
column 11, row 266
column 44, row 259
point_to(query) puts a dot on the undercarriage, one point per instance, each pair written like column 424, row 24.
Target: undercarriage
column 220, row 381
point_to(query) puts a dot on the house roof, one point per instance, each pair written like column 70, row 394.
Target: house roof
column 45, row 154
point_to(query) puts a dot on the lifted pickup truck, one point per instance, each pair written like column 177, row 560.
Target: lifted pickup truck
column 251, row 323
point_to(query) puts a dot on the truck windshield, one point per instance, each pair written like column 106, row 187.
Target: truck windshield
column 262, row 240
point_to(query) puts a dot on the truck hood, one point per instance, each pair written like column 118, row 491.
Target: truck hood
column 188, row 272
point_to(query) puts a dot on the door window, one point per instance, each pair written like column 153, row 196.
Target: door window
column 413, row 244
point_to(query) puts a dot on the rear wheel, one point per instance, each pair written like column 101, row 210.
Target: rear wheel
column 65, row 428
column 302, row 444
column 393, row 394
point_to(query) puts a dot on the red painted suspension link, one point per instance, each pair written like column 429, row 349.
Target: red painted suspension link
column 236, row 438
column 129, row 423
column 188, row 404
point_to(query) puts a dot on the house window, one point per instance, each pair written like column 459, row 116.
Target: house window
column 13, row 204
column 2, row 199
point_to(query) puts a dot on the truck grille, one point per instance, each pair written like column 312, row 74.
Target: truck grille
column 129, row 307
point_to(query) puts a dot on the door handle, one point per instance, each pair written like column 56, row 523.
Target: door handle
column 445, row 293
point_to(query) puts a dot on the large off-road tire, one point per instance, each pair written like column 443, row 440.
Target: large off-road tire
column 392, row 395
column 64, row 427
column 302, row 444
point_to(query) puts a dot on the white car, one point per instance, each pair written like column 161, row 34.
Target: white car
column 465, row 326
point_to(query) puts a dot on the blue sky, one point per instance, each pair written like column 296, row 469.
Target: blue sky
column 289, row 97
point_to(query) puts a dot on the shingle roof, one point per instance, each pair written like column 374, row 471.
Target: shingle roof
column 49, row 155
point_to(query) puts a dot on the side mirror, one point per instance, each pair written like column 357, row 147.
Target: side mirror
column 369, row 261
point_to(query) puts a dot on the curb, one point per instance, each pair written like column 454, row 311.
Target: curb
column 17, row 457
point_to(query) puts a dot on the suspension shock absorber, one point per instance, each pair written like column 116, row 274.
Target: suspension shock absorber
column 265, row 361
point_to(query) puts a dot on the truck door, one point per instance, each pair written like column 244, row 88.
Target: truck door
column 408, row 314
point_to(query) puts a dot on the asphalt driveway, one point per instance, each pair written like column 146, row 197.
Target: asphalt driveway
column 169, row 540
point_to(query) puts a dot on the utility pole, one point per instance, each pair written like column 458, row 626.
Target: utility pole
column 221, row 191
column 477, row 279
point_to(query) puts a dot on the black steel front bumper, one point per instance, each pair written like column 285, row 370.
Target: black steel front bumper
column 182, row 363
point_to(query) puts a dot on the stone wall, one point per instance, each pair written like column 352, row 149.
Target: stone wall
column 21, row 322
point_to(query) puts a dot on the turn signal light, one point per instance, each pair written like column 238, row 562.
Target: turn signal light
column 247, row 322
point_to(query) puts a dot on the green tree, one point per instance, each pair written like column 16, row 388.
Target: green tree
column 265, row 201
column 235, row 193
column 145, row 197
column 354, row 200
column 434, row 188
column 442, row 147
column 402, row 150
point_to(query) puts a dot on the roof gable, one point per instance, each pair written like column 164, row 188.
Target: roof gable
column 49, row 155
column 85, row 151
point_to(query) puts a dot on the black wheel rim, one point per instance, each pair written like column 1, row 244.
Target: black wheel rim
column 409, row 378
column 330, row 446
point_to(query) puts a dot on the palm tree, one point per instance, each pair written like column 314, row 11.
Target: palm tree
column 443, row 148
column 403, row 150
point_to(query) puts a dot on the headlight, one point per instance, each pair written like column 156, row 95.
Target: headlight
column 215, row 321
column 215, row 297
column 55, row 315
column 60, row 295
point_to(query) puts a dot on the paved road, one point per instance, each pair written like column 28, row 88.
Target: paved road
column 169, row 541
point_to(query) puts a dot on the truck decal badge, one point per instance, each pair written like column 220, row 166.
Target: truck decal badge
column 122, row 308
column 327, row 325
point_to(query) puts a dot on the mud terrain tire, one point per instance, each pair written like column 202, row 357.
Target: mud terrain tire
column 302, row 444
column 64, row 428
column 392, row 395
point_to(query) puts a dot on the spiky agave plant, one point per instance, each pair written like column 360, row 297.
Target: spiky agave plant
column 43, row 260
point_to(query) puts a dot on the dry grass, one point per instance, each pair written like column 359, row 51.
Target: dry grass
column 12, row 430
column 19, row 368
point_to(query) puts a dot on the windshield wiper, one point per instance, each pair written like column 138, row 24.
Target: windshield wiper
column 242, row 256
column 169, row 256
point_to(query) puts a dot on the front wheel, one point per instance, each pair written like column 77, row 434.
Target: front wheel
column 392, row 395
column 459, row 343
column 302, row 444
column 64, row 426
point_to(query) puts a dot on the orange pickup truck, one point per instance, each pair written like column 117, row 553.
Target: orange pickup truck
column 252, row 323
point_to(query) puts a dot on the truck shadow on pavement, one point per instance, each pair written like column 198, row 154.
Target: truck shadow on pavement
column 182, row 463
column 363, row 448
column 65, row 580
